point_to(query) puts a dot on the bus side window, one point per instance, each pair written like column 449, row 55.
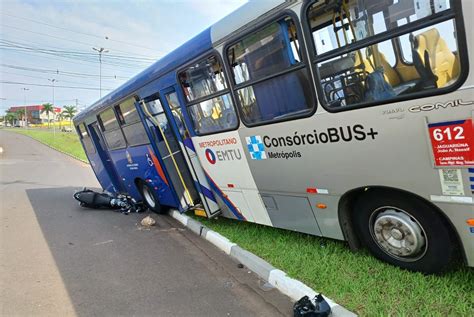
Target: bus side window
column 111, row 128
column 131, row 123
column 209, row 103
column 422, row 59
column 271, row 80
column 85, row 138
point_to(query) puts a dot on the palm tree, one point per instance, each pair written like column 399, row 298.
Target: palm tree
column 61, row 116
column 10, row 116
column 48, row 108
column 21, row 115
column 69, row 112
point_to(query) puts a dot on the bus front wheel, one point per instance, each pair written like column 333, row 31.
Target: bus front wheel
column 150, row 198
column 404, row 231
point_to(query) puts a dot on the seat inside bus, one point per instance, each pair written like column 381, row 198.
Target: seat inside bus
column 433, row 59
column 384, row 69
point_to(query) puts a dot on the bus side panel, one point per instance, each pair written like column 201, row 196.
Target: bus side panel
column 139, row 162
column 222, row 158
column 100, row 172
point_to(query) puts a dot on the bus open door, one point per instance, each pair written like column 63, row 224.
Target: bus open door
column 168, row 135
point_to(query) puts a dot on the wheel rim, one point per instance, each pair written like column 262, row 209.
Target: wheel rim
column 149, row 198
column 398, row 234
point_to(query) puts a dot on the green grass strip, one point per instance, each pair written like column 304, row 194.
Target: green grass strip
column 357, row 281
column 67, row 142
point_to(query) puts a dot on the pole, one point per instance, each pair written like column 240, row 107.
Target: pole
column 100, row 51
column 26, row 114
column 53, row 80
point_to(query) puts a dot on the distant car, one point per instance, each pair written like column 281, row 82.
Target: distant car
column 66, row 129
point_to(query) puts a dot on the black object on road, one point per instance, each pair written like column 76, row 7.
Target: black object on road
column 317, row 307
column 90, row 199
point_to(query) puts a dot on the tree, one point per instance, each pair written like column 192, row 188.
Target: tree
column 48, row 108
column 69, row 112
column 10, row 117
column 20, row 113
column 61, row 117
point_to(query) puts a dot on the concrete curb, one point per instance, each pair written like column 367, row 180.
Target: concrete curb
column 279, row 279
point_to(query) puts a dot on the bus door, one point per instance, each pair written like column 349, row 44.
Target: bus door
column 171, row 100
column 109, row 167
column 171, row 154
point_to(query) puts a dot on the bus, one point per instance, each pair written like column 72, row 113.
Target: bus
column 346, row 119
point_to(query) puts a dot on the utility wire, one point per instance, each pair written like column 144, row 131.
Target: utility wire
column 41, row 85
column 83, row 33
column 64, row 39
column 38, row 77
column 76, row 61
column 84, row 53
column 91, row 58
column 62, row 73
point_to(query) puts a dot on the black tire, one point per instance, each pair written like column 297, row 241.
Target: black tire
column 392, row 226
column 150, row 198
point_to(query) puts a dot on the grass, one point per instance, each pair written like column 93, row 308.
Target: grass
column 357, row 281
column 63, row 141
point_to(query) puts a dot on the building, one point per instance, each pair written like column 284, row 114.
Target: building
column 34, row 114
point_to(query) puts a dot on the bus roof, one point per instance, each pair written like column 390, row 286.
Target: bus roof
column 196, row 46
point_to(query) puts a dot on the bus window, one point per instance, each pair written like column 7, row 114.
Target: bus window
column 132, row 126
column 85, row 138
column 111, row 128
column 158, row 122
column 271, row 80
column 425, row 58
column 208, row 100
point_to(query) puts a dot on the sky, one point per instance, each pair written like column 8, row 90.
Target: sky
column 47, row 42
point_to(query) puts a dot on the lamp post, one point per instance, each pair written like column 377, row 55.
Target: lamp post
column 53, row 80
column 100, row 51
column 26, row 114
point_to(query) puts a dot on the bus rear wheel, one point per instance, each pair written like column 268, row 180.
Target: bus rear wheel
column 150, row 198
column 404, row 231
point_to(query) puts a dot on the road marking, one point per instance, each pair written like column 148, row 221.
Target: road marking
column 104, row 242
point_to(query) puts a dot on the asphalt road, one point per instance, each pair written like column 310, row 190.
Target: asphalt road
column 58, row 259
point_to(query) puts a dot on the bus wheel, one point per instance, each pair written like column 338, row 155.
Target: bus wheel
column 150, row 198
column 404, row 231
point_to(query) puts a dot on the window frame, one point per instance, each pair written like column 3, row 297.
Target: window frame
column 122, row 123
column 102, row 127
column 304, row 63
column 228, row 90
column 454, row 13
column 81, row 137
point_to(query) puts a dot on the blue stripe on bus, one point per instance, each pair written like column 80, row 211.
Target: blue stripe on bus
column 440, row 124
column 471, row 170
column 208, row 193
column 189, row 144
column 472, row 187
column 224, row 198
column 471, row 179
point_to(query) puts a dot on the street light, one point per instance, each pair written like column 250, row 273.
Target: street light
column 26, row 114
column 53, row 80
column 100, row 51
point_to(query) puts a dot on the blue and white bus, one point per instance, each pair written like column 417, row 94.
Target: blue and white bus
column 348, row 119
